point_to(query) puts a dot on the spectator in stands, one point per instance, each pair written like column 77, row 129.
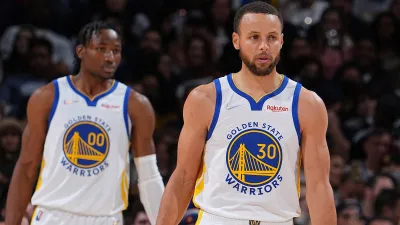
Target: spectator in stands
column 304, row 13
column 387, row 205
column 190, row 217
column 17, row 88
column 10, row 142
column 349, row 188
column 349, row 213
column 337, row 170
column 385, row 30
column 139, row 215
column 374, row 187
column 18, row 61
column 299, row 47
column 380, row 221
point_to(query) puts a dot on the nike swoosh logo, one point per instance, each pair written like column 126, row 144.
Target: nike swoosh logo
column 232, row 106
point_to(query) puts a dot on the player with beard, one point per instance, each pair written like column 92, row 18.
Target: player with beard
column 245, row 137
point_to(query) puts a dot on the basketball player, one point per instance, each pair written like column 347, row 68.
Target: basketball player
column 244, row 136
column 79, row 128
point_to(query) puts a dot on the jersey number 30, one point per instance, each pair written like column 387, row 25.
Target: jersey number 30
column 271, row 151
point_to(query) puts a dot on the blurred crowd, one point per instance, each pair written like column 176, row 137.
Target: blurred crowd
column 347, row 51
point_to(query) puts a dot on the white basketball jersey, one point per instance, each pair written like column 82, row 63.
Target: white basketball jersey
column 251, row 159
column 85, row 159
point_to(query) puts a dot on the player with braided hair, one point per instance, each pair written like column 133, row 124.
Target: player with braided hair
column 80, row 128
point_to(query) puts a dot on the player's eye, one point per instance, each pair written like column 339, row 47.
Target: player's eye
column 254, row 37
column 100, row 49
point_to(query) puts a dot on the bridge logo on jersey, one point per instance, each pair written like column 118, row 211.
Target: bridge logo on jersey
column 86, row 146
column 254, row 159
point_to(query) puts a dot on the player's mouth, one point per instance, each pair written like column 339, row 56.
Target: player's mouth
column 109, row 69
column 263, row 59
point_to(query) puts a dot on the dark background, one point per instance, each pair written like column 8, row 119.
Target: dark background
column 345, row 50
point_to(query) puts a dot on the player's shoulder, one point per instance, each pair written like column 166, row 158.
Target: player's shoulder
column 41, row 100
column 202, row 93
column 199, row 105
column 208, row 92
column 44, row 93
column 134, row 97
column 137, row 98
column 139, row 106
column 311, row 108
column 310, row 99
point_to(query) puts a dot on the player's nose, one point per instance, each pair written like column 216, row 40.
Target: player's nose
column 263, row 45
column 109, row 56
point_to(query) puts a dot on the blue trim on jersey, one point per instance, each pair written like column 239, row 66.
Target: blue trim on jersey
column 92, row 102
column 55, row 101
column 125, row 110
column 217, row 109
column 257, row 105
column 295, row 109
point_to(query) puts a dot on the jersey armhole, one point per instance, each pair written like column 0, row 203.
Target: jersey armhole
column 55, row 101
column 217, row 109
column 126, row 112
column 295, row 110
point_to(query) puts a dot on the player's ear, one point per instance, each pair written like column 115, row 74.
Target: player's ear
column 282, row 40
column 235, row 40
column 79, row 51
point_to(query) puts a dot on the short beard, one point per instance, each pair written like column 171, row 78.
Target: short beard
column 261, row 72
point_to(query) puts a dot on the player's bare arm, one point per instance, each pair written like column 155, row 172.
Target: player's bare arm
column 143, row 124
column 26, row 169
column 151, row 186
column 314, row 122
column 197, row 114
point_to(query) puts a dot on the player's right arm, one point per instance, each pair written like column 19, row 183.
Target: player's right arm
column 33, row 138
column 197, row 114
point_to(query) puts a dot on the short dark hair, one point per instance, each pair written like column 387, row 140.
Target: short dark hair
column 87, row 31
column 388, row 197
column 257, row 7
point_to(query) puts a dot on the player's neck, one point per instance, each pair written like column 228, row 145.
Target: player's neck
column 91, row 85
column 248, row 82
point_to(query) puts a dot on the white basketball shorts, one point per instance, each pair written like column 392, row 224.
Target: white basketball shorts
column 205, row 218
column 43, row 216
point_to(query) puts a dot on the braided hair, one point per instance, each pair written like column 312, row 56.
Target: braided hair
column 87, row 32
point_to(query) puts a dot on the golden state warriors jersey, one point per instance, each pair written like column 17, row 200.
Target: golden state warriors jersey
column 85, row 159
column 251, row 160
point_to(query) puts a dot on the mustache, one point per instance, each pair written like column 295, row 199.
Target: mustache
column 264, row 55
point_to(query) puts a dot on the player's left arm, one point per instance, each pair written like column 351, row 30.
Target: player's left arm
column 150, row 184
column 314, row 122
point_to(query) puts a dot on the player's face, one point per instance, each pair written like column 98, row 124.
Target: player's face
column 102, row 55
column 259, row 42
